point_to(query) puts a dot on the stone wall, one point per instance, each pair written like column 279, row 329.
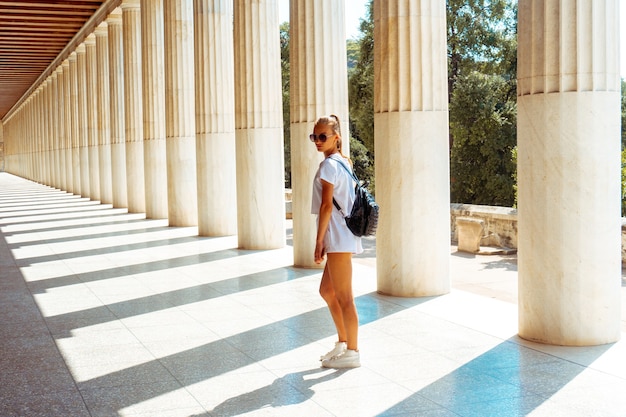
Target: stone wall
column 500, row 223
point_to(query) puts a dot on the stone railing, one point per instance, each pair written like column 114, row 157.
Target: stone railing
column 499, row 224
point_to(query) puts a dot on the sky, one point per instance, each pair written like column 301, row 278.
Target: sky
column 355, row 10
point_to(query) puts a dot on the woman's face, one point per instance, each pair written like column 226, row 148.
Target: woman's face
column 330, row 145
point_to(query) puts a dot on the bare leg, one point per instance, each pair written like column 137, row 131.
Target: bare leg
column 327, row 292
column 339, row 269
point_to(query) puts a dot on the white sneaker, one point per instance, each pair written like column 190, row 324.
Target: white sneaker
column 347, row 359
column 339, row 348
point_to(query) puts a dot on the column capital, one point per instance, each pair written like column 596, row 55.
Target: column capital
column 115, row 17
column 65, row 65
column 90, row 40
column 72, row 57
column 80, row 49
column 130, row 4
column 102, row 29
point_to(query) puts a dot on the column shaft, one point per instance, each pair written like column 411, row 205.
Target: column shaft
column 314, row 93
column 74, row 136
column 411, row 131
column 153, row 90
column 259, row 126
column 116, row 87
column 215, row 118
column 92, row 116
column 61, row 128
column 48, row 139
column 54, row 140
column 104, row 114
column 180, row 110
column 569, row 172
column 81, row 68
column 133, row 108
column 67, row 128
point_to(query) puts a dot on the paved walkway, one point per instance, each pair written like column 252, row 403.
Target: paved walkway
column 104, row 313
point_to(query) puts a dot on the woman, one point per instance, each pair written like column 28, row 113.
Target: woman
column 335, row 241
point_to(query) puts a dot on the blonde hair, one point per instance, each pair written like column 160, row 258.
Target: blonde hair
column 332, row 121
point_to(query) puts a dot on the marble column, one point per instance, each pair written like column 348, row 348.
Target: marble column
column 116, row 98
column 81, row 69
column 36, row 137
column 411, row 147
column 104, row 114
column 215, row 118
column 180, row 110
column 55, row 179
column 133, row 107
column 569, row 261
column 314, row 93
column 259, row 126
column 74, row 138
column 47, row 132
column 67, row 128
column 62, row 128
column 92, row 116
column 153, row 90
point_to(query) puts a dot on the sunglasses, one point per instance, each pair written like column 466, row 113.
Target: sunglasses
column 321, row 137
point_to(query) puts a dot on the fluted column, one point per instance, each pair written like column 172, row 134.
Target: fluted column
column 411, row 132
column 133, row 107
column 104, row 114
column 62, row 128
column 215, row 118
column 54, row 135
column 67, row 128
column 48, row 131
column 314, row 93
column 74, row 136
column 92, row 116
column 180, row 111
column 259, row 126
column 81, row 114
column 569, row 172
column 153, row 90
column 37, row 168
column 116, row 87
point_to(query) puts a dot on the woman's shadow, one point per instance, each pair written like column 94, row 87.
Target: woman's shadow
column 292, row 388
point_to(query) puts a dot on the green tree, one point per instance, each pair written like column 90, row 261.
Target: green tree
column 285, row 72
column 481, row 37
column 352, row 47
column 483, row 123
column 361, row 85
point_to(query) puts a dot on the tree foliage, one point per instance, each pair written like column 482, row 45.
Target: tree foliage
column 483, row 123
column 482, row 72
column 285, row 72
column 361, row 85
column 481, row 37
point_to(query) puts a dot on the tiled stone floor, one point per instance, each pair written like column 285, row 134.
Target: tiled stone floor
column 104, row 313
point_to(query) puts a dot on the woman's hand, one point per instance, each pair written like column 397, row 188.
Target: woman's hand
column 320, row 252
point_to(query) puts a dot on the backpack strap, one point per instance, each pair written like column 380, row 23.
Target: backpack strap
column 338, row 207
column 351, row 173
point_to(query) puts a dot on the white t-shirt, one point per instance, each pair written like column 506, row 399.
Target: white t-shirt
column 338, row 237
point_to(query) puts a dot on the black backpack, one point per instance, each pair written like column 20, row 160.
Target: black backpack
column 363, row 219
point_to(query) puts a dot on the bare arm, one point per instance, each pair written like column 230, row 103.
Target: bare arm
column 326, row 209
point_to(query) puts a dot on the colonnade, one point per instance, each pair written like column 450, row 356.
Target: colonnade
column 173, row 108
